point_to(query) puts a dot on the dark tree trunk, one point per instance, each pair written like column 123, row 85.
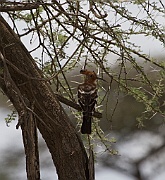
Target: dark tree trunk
column 21, row 79
column 30, row 140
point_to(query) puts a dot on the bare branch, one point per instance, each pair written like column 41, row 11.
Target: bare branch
column 15, row 6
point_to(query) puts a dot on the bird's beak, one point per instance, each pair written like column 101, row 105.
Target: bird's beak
column 101, row 79
column 82, row 71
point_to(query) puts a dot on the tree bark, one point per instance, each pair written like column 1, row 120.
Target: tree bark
column 30, row 140
column 20, row 78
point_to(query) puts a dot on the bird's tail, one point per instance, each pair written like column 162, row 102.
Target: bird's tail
column 86, row 125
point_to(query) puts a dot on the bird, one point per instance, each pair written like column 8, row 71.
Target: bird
column 87, row 95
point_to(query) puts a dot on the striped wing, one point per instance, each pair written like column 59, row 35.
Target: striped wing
column 87, row 95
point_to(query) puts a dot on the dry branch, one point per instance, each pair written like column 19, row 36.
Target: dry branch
column 15, row 6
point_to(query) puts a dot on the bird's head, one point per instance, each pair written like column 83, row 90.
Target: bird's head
column 90, row 76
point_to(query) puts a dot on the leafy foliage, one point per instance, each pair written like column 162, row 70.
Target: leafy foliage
column 11, row 117
column 69, row 35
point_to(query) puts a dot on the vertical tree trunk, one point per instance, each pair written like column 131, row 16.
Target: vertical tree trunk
column 30, row 140
column 21, row 73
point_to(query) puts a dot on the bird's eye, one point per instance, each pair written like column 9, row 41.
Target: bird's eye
column 91, row 75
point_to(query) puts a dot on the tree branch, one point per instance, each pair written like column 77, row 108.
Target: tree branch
column 61, row 136
column 15, row 6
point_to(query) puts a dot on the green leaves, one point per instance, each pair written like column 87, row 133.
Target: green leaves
column 151, row 99
column 11, row 117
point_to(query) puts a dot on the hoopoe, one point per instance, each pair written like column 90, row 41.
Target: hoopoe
column 87, row 95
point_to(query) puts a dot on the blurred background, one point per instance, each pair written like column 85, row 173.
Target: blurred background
column 129, row 152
